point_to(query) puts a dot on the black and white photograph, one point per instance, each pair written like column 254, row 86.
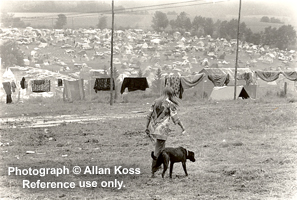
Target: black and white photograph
column 148, row 99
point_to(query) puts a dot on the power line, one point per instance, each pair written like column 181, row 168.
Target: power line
column 185, row 5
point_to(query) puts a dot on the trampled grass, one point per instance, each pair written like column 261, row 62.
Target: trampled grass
column 244, row 149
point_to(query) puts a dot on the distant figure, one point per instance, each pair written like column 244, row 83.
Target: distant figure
column 7, row 88
column 24, row 86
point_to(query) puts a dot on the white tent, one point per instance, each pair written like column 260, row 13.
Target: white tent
column 227, row 93
column 8, row 75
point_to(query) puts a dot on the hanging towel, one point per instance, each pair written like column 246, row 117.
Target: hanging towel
column 134, row 83
column 103, row 84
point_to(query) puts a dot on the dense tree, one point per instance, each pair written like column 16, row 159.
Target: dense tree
column 286, row 36
column 9, row 20
column 61, row 21
column 157, row 82
column 255, row 38
column 269, row 37
column 140, row 73
column 160, row 21
column 182, row 22
column 265, row 19
column 282, row 38
column 102, row 24
column 198, row 22
column 275, row 20
column 209, row 26
column 11, row 54
column 172, row 24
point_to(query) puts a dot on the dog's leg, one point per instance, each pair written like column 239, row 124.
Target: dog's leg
column 156, row 163
column 185, row 168
column 165, row 163
column 171, row 169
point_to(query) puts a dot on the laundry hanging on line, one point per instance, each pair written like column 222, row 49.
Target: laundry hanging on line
column 174, row 82
column 191, row 80
column 219, row 80
column 134, row 83
column 60, row 82
column 41, row 85
column 7, row 87
column 103, row 84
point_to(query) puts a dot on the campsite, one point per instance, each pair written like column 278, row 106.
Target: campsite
column 244, row 141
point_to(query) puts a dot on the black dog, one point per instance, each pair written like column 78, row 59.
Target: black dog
column 173, row 155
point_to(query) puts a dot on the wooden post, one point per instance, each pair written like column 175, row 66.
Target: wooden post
column 237, row 44
column 111, row 56
column 90, row 89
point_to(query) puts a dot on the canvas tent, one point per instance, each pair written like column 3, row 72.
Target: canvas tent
column 277, row 81
column 8, row 75
column 206, row 87
column 227, row 93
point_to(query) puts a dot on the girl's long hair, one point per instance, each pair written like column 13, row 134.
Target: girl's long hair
column 168, row 92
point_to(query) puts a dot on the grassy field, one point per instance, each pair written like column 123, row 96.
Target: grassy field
column 244, row 149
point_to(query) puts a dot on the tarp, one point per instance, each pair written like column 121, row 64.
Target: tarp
column 292, row 76
column 191, row 80
column 227, row 93
column 225, row 71
column 73, row 90
column 270, row 76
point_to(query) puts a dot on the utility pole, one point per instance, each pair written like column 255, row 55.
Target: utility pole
column 111, row 55
column 237, row 44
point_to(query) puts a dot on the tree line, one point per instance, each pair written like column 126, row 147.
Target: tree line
column 271, row 20
column 282, row 37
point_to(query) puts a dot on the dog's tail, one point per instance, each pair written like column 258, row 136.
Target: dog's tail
column 153, row 156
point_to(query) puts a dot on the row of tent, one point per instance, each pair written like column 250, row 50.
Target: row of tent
column 207, row 80
column 246, row 86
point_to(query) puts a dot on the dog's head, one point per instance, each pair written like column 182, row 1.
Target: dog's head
column 191, row 156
